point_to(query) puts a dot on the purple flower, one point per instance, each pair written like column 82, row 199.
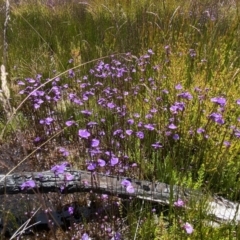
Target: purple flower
column 150, row 51
column 90, row 124
column 114, row 161
column 69, row 123
column 130, row 189
column 94, row 152
column 129, row 132
column 111, row 105
column 71, row 73
column 153, row 110
column 192, row 53
column 46, row 121
column 200, row 130
column 172, row 126
column 101, row 162
column 95, row 142
column 64, row 152
column 176, row 136
column 185, row 95
column 217, row 118
column 178, row 87
column 219, row 100
column 168, row 133
column 62, row 187
column 85, row 237
column 21, row 83
column 179, row 203
column 237, row 133
column 118, row 131
column 117, row 236
column 28, row 184
column 70, row 210
column 148, row 116
column 188, row 228
column 140, row 135
column 37, row 139
column 126, row 183
column 86, row 112
column 156, row 145
column 227, row 143
column 58, row 169
column 178, row 106
column 136, row 115
column 91, row 166
column 165, row 91
column 104, row 197
column 130, row 121
column 149, row 127
column 83, row 133
column 68, row 176
column 238, row 101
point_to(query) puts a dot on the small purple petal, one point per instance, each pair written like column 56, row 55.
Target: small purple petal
column 69, row 123
column 68, row 176
column 58, row 169
column 179, row 203
column 91, row 166
column 83, row 133
column 70, row 210
column 178, row 87
column 156, row 145
column 64, row 152
column 28, row 184
column 172, row 126
column 140, row 135
column 86, row 112
column 111, row 105
column 176, row 137
column 101, row 162
column 114, row 161
column 130, row 189
column 219, row 100
column 227, row 143
column 129, row 132
column 48, row 120
column 200, row 130
column 217, row 117
column 85, row 237
column 126, row 183
column 149, row 127
column 95, row 142
column 188, row 228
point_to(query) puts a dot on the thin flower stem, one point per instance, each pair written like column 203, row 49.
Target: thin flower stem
column 138, row 223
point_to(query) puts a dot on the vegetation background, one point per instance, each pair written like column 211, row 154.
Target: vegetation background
column 183, row 96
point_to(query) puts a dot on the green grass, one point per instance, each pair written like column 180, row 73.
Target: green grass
column 42, row 39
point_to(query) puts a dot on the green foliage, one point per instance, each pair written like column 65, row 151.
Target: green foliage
column 42, row 39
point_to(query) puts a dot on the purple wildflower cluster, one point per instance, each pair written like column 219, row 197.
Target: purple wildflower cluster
column 126, row 118
column 186, row 226
column 111, row 121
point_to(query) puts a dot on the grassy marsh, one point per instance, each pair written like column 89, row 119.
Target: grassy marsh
column 154, row 83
